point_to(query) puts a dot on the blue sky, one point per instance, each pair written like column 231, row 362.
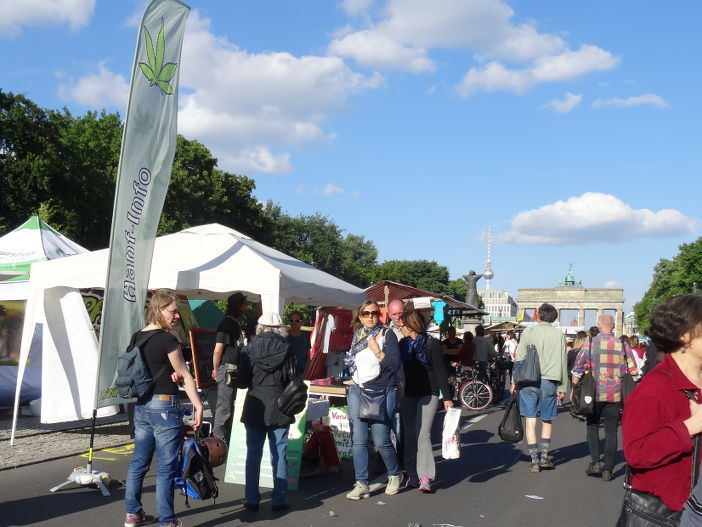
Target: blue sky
column 573, row 128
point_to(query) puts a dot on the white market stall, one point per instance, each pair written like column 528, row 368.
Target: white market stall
column 206, row 262
column 33, row 241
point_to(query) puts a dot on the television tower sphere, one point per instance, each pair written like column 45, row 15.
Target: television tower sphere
column 488, row 274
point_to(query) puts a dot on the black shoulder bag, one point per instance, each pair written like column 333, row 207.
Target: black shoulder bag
column 583, row 402
column 641, row 509
column 294, row 397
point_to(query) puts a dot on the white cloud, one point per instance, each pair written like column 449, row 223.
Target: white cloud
column 376, row 50
column 299, row 189
column 330, row 190
column 355, row 194
column 98, row 90
column 553, row 68
column 408, row 30
column 646, row 98
column 593, row 218
column 611, row 284
column 565, row 105
column 17, row 15
column 249, row 109
column 355, row 7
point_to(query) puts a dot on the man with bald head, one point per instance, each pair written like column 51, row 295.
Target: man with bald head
column 395, row 309
column 609, row 359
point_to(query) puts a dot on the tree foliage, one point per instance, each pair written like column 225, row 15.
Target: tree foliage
column 422, row 274
column 670, row 278
column 64, row 168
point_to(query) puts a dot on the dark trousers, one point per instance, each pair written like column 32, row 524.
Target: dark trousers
column 609, row 413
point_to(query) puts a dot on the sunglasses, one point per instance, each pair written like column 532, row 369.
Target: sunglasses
column 295, row 321
column 366, row 314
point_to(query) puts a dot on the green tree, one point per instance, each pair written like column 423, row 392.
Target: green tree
column 670, row 278
column 422, row 274
column 458, row 289
column 200, row 193
column 28, row 151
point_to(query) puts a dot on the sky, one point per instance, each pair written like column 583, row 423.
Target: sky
column 572, row 129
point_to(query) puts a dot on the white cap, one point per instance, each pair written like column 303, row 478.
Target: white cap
column 272, row 320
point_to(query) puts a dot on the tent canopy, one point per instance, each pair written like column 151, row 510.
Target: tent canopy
column 33, row 241
column 501, row 327
column 210, row 262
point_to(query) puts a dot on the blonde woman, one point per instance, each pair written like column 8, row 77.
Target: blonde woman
column 157, row 419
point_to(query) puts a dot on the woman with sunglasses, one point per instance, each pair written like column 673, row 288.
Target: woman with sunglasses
column 425, row 375
column 369, row 334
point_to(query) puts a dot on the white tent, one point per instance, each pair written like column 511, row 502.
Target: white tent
column 33, row 241
column 208, row 262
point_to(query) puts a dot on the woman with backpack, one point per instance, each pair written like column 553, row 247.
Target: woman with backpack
column 157, row 417
column 425, row 375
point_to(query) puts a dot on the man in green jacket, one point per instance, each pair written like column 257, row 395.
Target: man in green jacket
column 539, row 400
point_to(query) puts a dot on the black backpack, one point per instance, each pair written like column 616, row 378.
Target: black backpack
column 134, row 380
column 196, row 480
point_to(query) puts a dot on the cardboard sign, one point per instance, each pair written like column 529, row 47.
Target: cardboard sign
column 341, row 428
column 235, row 471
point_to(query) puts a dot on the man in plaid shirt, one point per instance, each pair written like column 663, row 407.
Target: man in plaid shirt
column 609, row 359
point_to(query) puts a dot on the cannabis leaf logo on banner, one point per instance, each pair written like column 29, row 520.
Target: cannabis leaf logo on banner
column 156, row 71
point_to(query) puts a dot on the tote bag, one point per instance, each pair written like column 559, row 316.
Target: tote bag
column 527, row 371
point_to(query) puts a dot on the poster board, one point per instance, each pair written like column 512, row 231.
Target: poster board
column 235, row 471
column 202, row 342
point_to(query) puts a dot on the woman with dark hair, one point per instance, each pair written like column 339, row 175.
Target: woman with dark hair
column 157, row 418
column 425, row 375
column 371, row 343
column 660, row 419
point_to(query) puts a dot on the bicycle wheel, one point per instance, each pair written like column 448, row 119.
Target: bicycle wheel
column 475, row 395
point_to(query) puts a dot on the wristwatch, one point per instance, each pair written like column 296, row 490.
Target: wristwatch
column 377, row 355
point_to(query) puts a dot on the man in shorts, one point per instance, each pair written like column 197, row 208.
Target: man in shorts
column 539, row 400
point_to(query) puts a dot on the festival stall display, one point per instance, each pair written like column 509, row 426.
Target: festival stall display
column 205, row 262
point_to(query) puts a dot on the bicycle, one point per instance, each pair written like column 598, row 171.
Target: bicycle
column 472, row 393
column 498, row 379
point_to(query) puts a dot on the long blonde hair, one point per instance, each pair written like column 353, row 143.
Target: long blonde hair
column 159, row 300
column 579, row 340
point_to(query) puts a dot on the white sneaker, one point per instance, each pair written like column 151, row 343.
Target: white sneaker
column 393, row 486
column 359, row 492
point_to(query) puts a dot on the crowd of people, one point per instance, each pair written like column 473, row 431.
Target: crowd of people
column 399, row 378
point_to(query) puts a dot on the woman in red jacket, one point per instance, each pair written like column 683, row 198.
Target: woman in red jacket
column 660, row 420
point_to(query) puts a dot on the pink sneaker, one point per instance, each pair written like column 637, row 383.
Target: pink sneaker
column 135, row 520
column 425, row 485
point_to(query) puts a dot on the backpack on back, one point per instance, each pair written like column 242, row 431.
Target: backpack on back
column 197, row 480
column 134, row 379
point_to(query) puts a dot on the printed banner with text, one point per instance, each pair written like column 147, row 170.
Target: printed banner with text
column 145, row 163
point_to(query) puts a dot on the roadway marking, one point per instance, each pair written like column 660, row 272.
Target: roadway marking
column 472, row 421
column 125, row 450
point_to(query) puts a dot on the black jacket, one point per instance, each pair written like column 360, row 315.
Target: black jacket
column 262, row 369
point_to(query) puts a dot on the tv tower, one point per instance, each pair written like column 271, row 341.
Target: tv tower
column 488, row 274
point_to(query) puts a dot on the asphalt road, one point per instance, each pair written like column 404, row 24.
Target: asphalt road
column 489, row 485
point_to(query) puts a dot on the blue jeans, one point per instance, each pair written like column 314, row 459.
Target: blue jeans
column 158, row 427
column 380, row 432
column 539, row 401
column 278, row 442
